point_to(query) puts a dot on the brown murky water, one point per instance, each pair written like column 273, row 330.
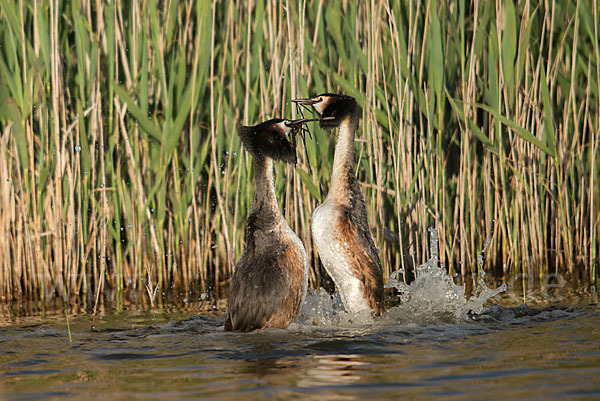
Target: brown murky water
column 503, row 353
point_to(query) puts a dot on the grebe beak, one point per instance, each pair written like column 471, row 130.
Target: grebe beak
column 307, row 102
column 300, row 121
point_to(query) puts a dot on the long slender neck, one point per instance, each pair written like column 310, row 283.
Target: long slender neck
column 343, row 160
column 265, row 200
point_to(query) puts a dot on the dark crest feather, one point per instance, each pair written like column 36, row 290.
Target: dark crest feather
column 339, row 107
column 267, row 140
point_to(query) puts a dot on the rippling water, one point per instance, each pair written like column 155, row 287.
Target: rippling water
column 502, row 353
column 436, row 344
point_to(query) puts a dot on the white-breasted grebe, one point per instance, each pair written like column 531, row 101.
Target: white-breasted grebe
column 270, row 279
column 339, row 226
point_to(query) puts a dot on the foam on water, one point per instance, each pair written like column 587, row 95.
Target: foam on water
column 431, row 298
column 322, row 309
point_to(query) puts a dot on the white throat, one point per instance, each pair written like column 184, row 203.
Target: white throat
column 343, row 158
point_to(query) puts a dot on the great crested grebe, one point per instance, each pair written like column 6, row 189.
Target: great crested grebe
column 270, row 279
column 339, row 226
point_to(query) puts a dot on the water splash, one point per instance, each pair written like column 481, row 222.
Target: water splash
column 431, row 298
column 322, row 309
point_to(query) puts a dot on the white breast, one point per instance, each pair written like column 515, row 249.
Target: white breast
column 334, row 256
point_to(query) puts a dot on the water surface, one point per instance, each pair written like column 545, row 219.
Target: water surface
column 503, row 353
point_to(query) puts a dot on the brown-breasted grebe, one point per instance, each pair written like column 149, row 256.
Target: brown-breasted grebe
column 270, row 279
column 339, row 226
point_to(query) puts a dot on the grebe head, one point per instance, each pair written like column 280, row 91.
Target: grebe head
column 332, row 108
column 272, row 138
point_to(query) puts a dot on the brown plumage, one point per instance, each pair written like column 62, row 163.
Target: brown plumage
column 267, row 288
column 340, row 227
column 270, row 279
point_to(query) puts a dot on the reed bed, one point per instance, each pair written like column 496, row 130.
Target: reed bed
column 120, row 168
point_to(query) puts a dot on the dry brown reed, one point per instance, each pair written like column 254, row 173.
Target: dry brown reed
column 118, row 148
